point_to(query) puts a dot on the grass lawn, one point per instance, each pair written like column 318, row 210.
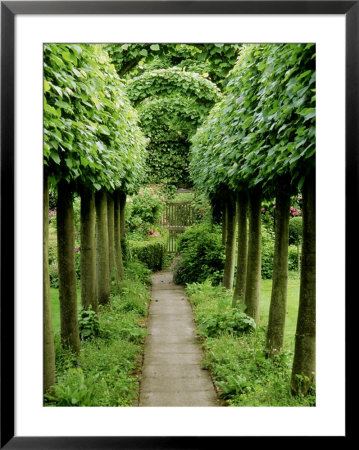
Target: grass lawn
column 55, row 307
column 292, row 309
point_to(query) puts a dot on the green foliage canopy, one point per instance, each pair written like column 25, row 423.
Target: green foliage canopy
column 91, row 131
column 214, row 60
column 264, row 127
column 166, row 82
column 171, row 104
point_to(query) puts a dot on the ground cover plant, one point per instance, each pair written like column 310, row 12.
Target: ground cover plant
column 235, row 348
column 105, row 373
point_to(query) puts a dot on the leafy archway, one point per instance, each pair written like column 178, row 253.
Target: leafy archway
column 171, row 104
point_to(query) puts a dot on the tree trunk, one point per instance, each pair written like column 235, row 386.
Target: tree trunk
column 303, row 372
column 88, row 251
column 253, row 281
column 111, row 235
column 66, row 262
column 228, row 274
column 102, row 257
column 278, row 305
column 224, row 222
column 48, row 337
column 120, row 273
column 122, row 199
column 238, row 296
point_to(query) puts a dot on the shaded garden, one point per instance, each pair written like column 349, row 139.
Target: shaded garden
column 126, row 126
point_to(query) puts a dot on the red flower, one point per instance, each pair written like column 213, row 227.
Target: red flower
column 201, row 211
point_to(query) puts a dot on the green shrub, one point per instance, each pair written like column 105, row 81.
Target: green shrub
column 234, row 321
column 146, row 209
column 267, row 253
column 54, row 274
column 53, row 267
column 293, row 258
column 295, row 230
column 202, row 255
column 89, row 325
column 137, row 271
column 151, row 252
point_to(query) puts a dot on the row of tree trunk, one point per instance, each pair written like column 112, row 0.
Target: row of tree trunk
column 102, row 230
column 245, row 209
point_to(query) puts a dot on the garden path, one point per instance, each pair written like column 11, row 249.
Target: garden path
column 171, row 373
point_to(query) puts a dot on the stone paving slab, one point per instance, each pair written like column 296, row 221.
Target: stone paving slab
column 172, row 358
column 152, row 348
column 173, row 339
column 174, row 371
column 201, row 398
column 176, row 385
column 174, row 331
column 171, row 373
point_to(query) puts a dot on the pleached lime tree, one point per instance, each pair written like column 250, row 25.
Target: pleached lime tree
column 48, row 337
column 260, row 140
column 92, row 143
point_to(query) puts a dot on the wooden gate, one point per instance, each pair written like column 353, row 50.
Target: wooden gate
column 177, row 217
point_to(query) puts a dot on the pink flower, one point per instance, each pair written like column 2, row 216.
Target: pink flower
column 77, row 249
column 299, row 197
column 274, row 206
column 263, row 210
column 291, row 208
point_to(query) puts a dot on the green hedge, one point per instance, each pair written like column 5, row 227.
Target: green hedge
column 293, row 258
column 152, row 252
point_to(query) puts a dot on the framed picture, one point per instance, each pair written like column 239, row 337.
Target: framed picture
column 25, row 27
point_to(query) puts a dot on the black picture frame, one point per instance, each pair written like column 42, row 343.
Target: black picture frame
column 9, row 10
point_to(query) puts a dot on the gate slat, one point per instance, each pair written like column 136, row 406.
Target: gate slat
column 178, row 216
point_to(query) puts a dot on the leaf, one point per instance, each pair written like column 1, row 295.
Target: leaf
column 58, row 90
column 55, row 157
column 46, row 86
column 69, row 162
column 155, row 47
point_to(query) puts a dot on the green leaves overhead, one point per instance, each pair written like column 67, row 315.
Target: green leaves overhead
column 91, row 131
column 211, row 60
column 169, row 82
column 171, row 104
column 264, row 127
column 167, row 118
